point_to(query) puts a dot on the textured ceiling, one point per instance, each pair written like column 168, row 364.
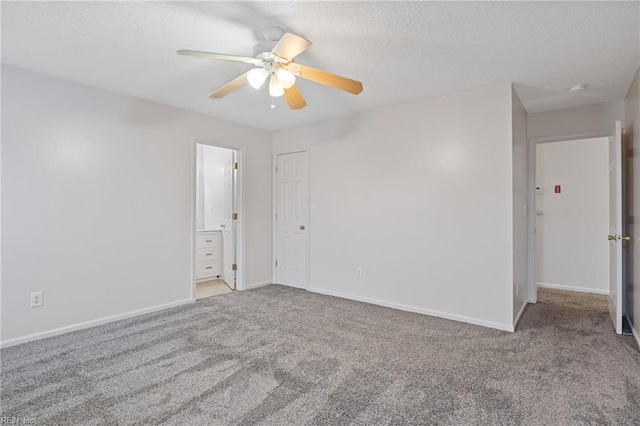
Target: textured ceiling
column 401, row 51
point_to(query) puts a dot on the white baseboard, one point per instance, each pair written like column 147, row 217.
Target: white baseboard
column 571, row 288
column 414, row 309
column 211, row 278
column 635, row 333
column 259, row 284
column 522, row 308
column 88, row 324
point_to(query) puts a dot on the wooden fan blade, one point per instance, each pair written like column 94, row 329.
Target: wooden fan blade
column 326, row 78
column 294, row 98
column 234, row 84
column 290, row 46
column 220, row 56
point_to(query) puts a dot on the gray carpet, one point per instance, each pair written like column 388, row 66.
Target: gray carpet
column 278, row 356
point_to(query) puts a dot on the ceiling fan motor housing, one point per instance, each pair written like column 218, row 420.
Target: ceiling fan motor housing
column 271, row 37
column 263, row 48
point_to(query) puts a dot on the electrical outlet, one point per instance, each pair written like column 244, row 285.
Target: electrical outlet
column 358, row 272
column 36, row 299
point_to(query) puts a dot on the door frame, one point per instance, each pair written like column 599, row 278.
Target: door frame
column 274, row 202
column 532, row 290
column 621, row 228
column 240, row 223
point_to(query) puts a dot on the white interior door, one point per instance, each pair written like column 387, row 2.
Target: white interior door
column 292, row 217
column 615, row 227
column 228, row 227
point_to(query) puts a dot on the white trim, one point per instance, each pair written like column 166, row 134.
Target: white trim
column 570, row 137
column 241, row 247
column 309, row 227
column 524, row 306
column 532, row 290
column 571, row 288
column 414, row 309
column 92, row 323
column 258, row 284
column 211, row 278
column 192, row 256
column 634, row 332
column 274, row 210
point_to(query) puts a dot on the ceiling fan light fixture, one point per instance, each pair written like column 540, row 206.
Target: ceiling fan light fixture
column 273, row 57
column 286, row 78
column 256, row 77
column 275, row 87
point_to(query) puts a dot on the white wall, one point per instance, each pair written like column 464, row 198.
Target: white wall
column 520, row 231
column 572, row 250
column 210, row 188
column 97, row 193
column 592, row 120
column 419, row 196
column 632, row 205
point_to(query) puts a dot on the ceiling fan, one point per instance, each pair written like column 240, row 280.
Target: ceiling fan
column 273, row 58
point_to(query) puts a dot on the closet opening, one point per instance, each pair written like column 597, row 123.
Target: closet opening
column 216, row 220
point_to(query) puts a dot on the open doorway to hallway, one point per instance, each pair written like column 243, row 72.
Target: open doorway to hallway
column 572, row 215
column 216, row 217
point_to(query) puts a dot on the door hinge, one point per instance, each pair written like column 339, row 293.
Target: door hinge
column 234, row 267
column 234, row 166
column 234, row 216
column 276, row 169
column 276, row 263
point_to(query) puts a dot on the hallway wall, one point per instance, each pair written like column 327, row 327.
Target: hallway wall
column 572, row 250
column 588, row 119
column 632, row 213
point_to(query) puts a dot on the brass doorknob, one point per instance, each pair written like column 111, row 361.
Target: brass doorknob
column 611, row 237
column 302, row 227
column 627, row 238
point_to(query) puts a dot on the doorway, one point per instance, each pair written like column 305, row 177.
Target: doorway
column 216, row 221
column 292, row 220
column 572, row 215
column 574, row 247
